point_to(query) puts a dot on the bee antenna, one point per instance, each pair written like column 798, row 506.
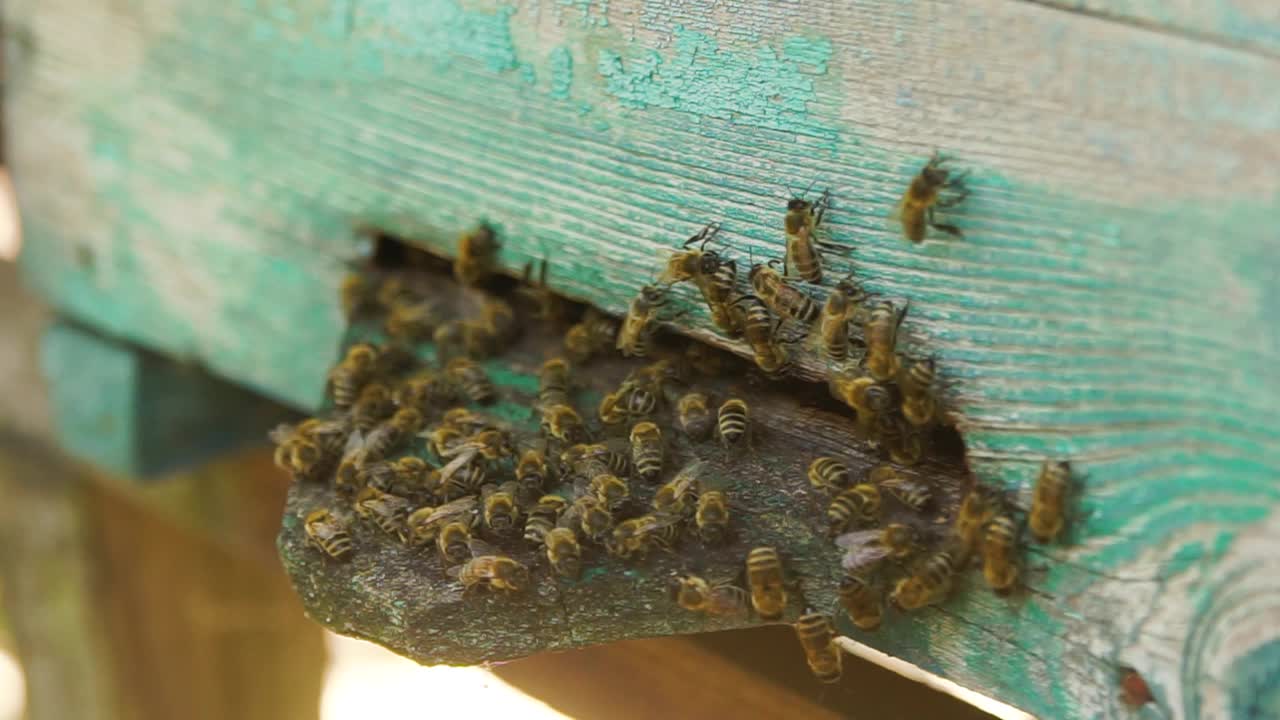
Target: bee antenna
column 811, row 184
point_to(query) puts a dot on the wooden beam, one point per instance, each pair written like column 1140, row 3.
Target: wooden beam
column 1250, row 24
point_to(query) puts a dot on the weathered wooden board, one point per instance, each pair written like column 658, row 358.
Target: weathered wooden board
column 197, row 188
column 1250, row 24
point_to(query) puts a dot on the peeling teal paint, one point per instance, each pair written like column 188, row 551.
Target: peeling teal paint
column 528, row 75
column 560, row 61
column 591, row 13
column 1255, row 684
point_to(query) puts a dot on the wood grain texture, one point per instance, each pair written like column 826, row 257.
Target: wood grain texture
column 1250, row 24
column 1113, row 300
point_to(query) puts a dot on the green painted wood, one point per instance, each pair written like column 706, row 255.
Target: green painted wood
column 140, row 415
column 1113, row 301
column 1250, row 24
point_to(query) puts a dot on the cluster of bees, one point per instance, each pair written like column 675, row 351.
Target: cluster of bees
column 406, row 448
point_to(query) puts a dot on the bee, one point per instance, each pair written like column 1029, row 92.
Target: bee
column 553, row 383
column 491, row 445
column 471, row 379
column 385, row 510
column 829, row 474
column 327, row 534
column 547, row 306
column 638, row 398
column 563, row 552
column 719, row 291
column 904, row 441
column 593, row 335
column 347, row 477
column 860, row 503
column 453, row 542
column 613, row 410
column 388, row 435
column 311, row 448
column 761, row 333
column 443, row 438
column 865, row 549
column 466, row 420
column 678, row 496
column 531, row 473
column 881, row 334
column 395, row 291
column 733, row 422
column 843, row 306
column 861, row 602
column 349, row 376
column 591, row 516
column 563, row 423
column 713, row 598
column 766, row 580
column 646, row 451
column 423, row 391
column 975, row 511
column 712, row 517
column 641, row 323
column 715, row 277
column 919, row 401
column 500, row 510
column 914, row 494
column 639, row 535
column 590, row 461
column 497, row 321
column 494, row 572
column 476, row 250
column 542, row 518
column 412, row 322
column 464, row 478
column 929, row 584
column 379, row 475
column 817, row 637
column 611, row 490
column 999, row 554
column 801, row 223
column 690, row 264
column 1048, row 502
column 693, row 415
column 915, row 209
column 371, row 406
column 788, row 301
column 357, row 293
column 411, row 472
column 868, row 398
column 425, row 523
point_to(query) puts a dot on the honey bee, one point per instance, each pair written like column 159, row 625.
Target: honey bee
column 593, row 335
column 783, row 298
column 868, row 398
column 443, row 438
column 999, row 554
column 349, row 376
column 460, row 479
column 715, row 277
column 915, row 209
column 693, row 415
column 720, row 598
column 801, row 223
column 842, row 307
column 326, row 533
column 859, row 503
column 453, row 542
column 712, row 517
column 311, row 448
column 467, row 420
column 347, row 477
column 471, row 379
column 357, row 292
column 372, row 406
column 493, row 572
column 542, row 518
column 395, row 290
column 388, row 435
column 563, row 552
column 1048, row 502
column 424, row 524
column 611, row 490
column 562, row 423
column 904, row 441
column 589, row 461
column 767, row 583
column 919, row 401
column 929, row 584
column 411, row 472
column 491, row 445
column 817, row 637
column 641, row 323
column 553, row 383
column 914, row 494
column 678, row 496
column 531, row 473
column 733, row 422
column 500, row 510
column 861, row 602
column 646, row 451
column 591, row 516
column 498, row 321
column 613, row 409
column 547, row 306
column 865, row 549
column 384, row 510
column 423, row 391
column 975, row 511
column 881, row 334
column 829, row 474
column 719, row 291
column 379, row 475
column 639, row 535
column 761, row 333
column 476, row 251
column 412, row 322
column 689, row 264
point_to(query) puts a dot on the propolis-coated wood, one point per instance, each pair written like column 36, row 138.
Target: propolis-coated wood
column 196, row 187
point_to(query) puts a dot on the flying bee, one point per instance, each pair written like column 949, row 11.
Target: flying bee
column 678, row 496
column 843, row 307
column 591, row 516
column 423, row 391
column 712, row 517
column 733, row 422
column 384, row 510
column 563, row 552
column 476, row 251
column 412, row 322
column 859, row 503
column 388, row 435
column 783, row 298
column 639, row 535
column 881, row 334
column 693, row 415
column 453, row 542
column 767, row 583
column 929, row 583
column 866, row 549
column 471, row 379
column 912, row 493
column 641, row 323
column 592, row 336
column 531, row 473
column 562, row 423
column 425, row 523
column 760, row 330
column 542, row 518
column 718, row 598
column 829, row 474
column 372, row 406
column 611, row 490
column 919, row 399
column 801, row 223
column 976, row 510
column 817, row 637
column 327, row 534
column 553, row 382
column 493, row 572
column 1000, row 554
column 547, row 306
column 1048, row 502
column 861, row 602
column 646, row 451
column 924, row 194
column 351, row 373
column 501, row 513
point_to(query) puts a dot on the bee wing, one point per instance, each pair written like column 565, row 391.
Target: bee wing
column 454, row 572
column 857, row 539
column 689, row 475
column 864, row 556
column 452, row 509
column 355, row 442
column 900, row 484
column 455, row 465
column 480, row 547
column 282, row 433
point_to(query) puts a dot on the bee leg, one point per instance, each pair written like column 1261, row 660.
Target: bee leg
column 944, row 227
column 820, row 206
